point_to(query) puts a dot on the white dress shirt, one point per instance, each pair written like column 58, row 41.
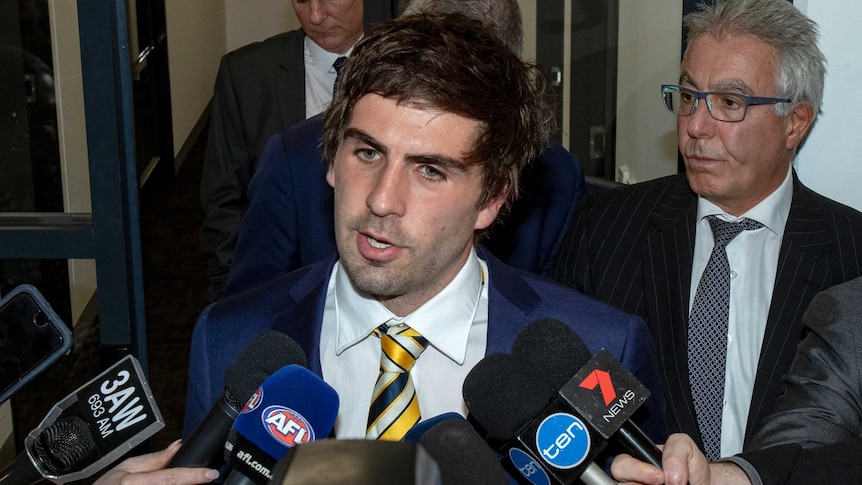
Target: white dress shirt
column 753, row 258
column 455, row 323
column 319, row 77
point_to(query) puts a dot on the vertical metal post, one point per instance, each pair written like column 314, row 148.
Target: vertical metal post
column 106, row 67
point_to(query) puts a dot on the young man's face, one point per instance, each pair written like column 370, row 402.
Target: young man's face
column 735, row 165
column 405, row 203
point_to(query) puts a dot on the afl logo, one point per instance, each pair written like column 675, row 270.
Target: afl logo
column 563, row 441
column 287, row 426
column 254, row 401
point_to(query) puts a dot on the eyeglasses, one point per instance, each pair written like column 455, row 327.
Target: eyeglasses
column 722, row 106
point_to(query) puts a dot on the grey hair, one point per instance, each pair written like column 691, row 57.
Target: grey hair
column 802, row 66
column 501, row 16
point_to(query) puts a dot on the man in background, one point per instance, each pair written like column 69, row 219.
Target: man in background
column 262, row 89
column 722, row 261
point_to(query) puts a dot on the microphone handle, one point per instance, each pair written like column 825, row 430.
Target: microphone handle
column 237, row 478
column 21, row 471
column 594, row 475
column 205, row 444
column 639, row 443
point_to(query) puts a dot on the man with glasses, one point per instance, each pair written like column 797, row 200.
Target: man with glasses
column 722, row 261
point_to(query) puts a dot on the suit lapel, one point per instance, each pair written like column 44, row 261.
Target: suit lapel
column 510, row 303
column 302, row 318
column 290, row 83
column 667, row 255
column 801, row 273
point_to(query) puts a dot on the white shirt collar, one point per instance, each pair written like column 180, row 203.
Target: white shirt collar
column 321, row 59
column 772, row 211
column 444, row 320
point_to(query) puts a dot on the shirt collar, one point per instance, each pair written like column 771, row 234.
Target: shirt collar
column 772, row 211
column 444, row 320
column 322, row 59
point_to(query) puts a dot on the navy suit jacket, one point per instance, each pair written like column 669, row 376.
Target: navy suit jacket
column 259, row 91
column 633, row 246
column 294, row 305
column 289, row 222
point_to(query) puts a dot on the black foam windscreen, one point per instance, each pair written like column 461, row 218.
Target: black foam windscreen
column 265, row 354
column 64, row 445
column 551, row 352
column 502, row 396
column 462, row 454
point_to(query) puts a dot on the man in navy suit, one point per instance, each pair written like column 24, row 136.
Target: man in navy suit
column 421, row 162
column 288, row 223
column 262, row 89
column 750, row 87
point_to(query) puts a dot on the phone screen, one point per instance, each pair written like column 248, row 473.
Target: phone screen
column 31, row 338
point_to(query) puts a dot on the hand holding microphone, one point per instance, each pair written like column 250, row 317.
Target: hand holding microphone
column 268, row 352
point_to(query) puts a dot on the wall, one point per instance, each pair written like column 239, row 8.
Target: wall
column 829, row 161
column 248, row 21
column 648, row 56
column 196, row 42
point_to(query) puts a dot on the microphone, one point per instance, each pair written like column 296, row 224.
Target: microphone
column 89, row 429
column 291, row 407
column 505, row 401
column 265, row 354
column 419, row 429
column 57, row 450
column 604, row 385
column 357, row 462
column 462, row 454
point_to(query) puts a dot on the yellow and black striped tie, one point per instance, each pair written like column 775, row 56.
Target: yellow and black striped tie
column 394, row 405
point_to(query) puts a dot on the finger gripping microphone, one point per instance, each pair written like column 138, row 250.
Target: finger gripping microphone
column 291, row 407
column 265, row 354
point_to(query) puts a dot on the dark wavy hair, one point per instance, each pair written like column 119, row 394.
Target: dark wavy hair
column 453, row 64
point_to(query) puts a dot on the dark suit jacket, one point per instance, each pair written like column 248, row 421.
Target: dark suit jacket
column 259, row 91
column 289, row 223
column 790, row 464
column 822, row 398
column 632, row 247
column 294, row 304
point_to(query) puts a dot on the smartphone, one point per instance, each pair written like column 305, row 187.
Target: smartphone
column 32, row 337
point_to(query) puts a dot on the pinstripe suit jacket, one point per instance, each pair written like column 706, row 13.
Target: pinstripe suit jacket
column 632, row 247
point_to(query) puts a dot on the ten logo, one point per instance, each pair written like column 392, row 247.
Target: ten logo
column 563, row 440
column 528, row 467
column 287, row 426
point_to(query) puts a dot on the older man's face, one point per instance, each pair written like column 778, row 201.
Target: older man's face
column 736, row 165
column 334, row 25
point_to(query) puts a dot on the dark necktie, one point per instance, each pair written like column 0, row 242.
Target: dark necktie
column 337, row 65
column 707, row 334
column 394, row 405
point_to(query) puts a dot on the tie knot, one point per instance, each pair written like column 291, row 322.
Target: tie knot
column 338, row 64
column 401, row 347
column 724, row 231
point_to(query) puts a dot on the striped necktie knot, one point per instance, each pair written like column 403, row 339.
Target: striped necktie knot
column 394, row 405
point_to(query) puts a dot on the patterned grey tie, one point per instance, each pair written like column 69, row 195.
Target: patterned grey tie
column 707, row 334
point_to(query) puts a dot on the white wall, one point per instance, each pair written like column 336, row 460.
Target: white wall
column 248, row 21
column 648, row 56
column 196, row 42
column 829, row 162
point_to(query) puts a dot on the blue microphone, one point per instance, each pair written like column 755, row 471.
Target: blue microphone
column 291, row 407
